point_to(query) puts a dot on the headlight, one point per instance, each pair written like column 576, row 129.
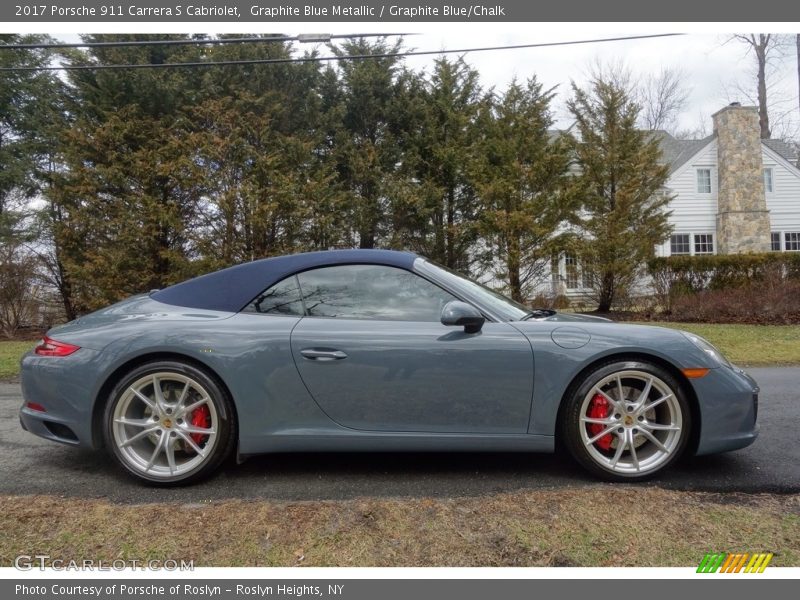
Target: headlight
column 708, row 348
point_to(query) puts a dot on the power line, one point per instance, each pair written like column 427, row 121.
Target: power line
column 303, row 37
column 306, row 59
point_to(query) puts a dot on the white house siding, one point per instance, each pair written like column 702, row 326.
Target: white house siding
column 784, row 202
column 693, row 212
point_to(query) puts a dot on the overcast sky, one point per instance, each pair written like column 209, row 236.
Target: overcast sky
column 715, row 72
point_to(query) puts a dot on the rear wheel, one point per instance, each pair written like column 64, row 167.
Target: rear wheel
column 169, row 423
column 627, row 420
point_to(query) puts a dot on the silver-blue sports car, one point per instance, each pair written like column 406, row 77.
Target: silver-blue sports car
column 372, row 350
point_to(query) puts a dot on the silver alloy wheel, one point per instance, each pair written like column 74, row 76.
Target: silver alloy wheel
column 644, row 420
column 152, row 425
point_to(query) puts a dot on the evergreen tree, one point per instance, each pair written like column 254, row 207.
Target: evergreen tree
column 436, row 207
column 527, row 193
column 365, row 139
column 624, row 212
column 128, row 190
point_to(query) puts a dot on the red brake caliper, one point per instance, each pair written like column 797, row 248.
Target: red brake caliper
column 599, row 409
column 200, row 418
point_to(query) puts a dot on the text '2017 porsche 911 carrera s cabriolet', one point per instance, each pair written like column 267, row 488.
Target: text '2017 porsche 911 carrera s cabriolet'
column 371, row 350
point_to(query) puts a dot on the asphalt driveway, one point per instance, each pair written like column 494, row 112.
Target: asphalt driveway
column 29, row 465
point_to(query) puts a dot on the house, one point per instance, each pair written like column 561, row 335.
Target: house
column 732, row 193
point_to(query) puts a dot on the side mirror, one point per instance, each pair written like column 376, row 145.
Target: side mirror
column 461, row 314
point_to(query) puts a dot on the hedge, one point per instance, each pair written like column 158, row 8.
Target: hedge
column 721, row 271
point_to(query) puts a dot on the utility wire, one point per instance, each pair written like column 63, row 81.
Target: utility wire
column 306, row 59
column 303, row 37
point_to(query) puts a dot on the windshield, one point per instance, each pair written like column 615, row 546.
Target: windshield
column 503, row 307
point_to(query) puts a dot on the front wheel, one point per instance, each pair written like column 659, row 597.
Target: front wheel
column 627, row 420
column 169, row 423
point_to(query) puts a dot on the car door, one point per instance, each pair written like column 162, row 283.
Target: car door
column 375, row 357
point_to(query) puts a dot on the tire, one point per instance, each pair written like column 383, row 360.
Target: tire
column 652, row 429
column 177, row 437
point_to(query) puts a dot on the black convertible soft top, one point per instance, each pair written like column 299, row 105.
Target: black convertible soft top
column 231, row 289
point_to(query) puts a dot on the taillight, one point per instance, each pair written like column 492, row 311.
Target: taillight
column 51, row 347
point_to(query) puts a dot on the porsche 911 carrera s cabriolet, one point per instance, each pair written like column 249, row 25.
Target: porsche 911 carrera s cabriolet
column 374, row 350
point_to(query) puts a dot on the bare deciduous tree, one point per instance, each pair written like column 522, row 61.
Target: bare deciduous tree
column 662, row 97
column 17, row 290
column 767, row 48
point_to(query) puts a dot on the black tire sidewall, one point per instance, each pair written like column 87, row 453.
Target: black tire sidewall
column 226, row 434
column 570, row 430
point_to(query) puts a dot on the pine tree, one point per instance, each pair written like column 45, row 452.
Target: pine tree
column 624, row 205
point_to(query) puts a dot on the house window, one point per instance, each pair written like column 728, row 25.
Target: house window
column 791, row 241
column 768, row 183
column 703, row 181
column 704, row 243
column 679, row 244
column 571, row 272
column 775, row 241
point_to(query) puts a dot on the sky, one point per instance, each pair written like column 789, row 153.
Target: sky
column 716, row 70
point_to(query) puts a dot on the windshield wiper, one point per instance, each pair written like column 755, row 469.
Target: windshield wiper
column 538, row 313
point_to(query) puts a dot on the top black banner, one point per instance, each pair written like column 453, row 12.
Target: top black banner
column 395, row 11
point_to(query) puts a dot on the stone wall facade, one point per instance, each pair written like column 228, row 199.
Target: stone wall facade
column 742, row 216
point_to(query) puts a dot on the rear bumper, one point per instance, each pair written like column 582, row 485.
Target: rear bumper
column 728, row 400
column 63, row 387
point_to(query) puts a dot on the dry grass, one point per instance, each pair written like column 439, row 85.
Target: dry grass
column 601, row 526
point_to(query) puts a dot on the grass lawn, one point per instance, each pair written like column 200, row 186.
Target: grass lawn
column 578, row 527
column 750, row 345
column 10, row 353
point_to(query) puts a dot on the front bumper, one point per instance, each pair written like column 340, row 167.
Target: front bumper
column 728, row 402
column 64, row 387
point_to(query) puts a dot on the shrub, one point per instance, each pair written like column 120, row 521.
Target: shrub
column 751, row 288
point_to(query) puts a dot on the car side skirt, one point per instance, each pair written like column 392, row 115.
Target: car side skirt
column 352, row 441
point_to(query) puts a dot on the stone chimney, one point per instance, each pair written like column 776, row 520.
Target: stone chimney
column 742, row 215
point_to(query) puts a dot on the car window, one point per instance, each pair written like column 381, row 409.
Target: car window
column 371, row 292
column 283, row 298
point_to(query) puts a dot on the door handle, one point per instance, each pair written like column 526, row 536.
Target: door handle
column 323, row 355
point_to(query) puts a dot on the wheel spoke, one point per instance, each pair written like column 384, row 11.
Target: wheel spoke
column 200, row 430
column 645, row 392
column 655, row 440
column 594, row 421
column 184, row 393
column 620, row 390
column 655, row 403
column 606, row 431
column 192, row 444
column 158, row 392
column 156, row 452
column 138, row 436
column 621, row 443
column 134, row 422
column 634, row 456
column 169, row 450
column 144, row 399
column 611, row 400
column 195, row 405
column 660, row 427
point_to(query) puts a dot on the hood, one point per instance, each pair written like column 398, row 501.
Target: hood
column 575, row 317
